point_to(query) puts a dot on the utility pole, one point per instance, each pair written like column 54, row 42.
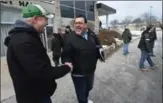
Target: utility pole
column 151, row 14
column 57, row 19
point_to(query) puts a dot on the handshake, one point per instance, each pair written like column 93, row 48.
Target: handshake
column 69, row 65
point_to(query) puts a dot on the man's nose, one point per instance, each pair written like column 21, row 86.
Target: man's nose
column 77, row 25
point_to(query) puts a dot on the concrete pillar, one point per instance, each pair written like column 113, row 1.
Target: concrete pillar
column 46, row 39
column 57, row 17
column 107, row 21
column 96, row 19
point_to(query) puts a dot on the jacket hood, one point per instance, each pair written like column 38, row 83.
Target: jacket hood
column 19, row 26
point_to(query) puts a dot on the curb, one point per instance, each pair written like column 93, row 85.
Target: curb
column 108, row 51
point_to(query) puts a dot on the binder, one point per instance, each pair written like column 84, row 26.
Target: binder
column 101, row 54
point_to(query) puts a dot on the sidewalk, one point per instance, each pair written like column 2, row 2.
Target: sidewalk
column 6, row 83
column 118, row 80
column 7, row 91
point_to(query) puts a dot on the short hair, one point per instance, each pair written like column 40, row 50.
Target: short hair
column 82, row 16
column 68, row 27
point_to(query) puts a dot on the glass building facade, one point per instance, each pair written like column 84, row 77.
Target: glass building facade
column 70, row 9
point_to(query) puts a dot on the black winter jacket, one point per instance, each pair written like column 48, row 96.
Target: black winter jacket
column 29, row 66
column 144, row 43
column 127, row 36
column 57, row 44
column 81, row 52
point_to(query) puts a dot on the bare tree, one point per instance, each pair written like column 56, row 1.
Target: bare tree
column 148, row 18
column 127, row 21
column 138, row 22
column 114, row 23
column 153, row 18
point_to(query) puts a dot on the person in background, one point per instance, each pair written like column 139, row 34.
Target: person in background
column 80, row 48
column 153, row 37
column 161, row 26
column 127, row 37
column 100, row 24
column 57, row 45
column 29, row 66
column 146, row 50
column 68, row 30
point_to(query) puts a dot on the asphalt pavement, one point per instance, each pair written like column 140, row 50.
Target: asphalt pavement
column 118, row 80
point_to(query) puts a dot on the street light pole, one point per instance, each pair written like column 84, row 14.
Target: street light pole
column 150, row 14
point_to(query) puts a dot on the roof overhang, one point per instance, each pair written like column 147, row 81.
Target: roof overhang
column 104, row 9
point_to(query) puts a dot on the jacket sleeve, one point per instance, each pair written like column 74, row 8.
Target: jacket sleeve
column 155, row 34
column 66, row 55
column 147, row 42
column 98, row 44
column 36, row 63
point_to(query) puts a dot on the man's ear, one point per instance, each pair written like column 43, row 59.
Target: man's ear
column 86, row 25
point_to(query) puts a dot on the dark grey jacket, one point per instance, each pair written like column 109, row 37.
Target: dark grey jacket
column 144, row 43
column 126, row 36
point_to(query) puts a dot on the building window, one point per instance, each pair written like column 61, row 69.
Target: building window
column 80, row 4
column 91, row 16
column 67, row 3
column 90, row 5
column 80, row 12
column 67, row 12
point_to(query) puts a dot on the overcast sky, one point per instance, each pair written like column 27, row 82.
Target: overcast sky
column 132, row 8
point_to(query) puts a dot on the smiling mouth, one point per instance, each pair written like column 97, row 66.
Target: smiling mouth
column 78, row 29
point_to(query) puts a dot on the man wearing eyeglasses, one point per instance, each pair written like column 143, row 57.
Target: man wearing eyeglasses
column 80, row 49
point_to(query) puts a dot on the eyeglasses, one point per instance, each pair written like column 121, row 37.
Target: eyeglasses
column 79, row 23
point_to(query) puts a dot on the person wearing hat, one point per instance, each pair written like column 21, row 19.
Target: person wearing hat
column 32, row 75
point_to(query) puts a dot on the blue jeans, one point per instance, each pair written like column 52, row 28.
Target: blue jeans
column 145, row 56
column 47, row 100
column 83, row 85
column 125, row 48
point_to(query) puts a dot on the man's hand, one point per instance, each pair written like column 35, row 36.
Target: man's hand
column 70, row 65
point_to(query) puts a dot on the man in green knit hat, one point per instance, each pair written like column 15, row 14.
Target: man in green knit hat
column 29, row 65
